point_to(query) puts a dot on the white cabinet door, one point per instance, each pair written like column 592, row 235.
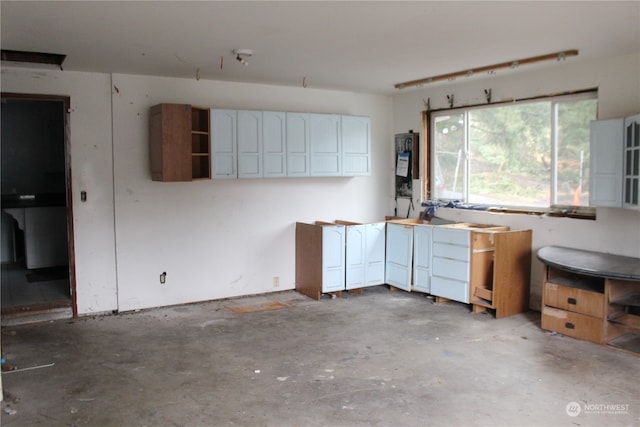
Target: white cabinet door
column 422, row 258
column 356, row 145
column 355, row 256
column 297, row 144
column 223, row 144
column 249, row 144
column 365, row 255
column 374, row 254
column 324, row 141
column 606, row 154
column 274, row 148
column 399, row 255
column 631, row 184
column 333, row 258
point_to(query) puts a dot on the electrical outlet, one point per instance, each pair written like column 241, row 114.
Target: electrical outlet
column 276, row 281
column 163, row 277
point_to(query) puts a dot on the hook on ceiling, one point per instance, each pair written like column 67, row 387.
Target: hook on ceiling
column 242, row 55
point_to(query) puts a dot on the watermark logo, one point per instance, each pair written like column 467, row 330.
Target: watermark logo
column 573, row 409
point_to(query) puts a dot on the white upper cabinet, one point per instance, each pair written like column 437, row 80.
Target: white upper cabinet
column 631, row 150
column 223, row 144
column 297, row 144
column 249, row 144
column 356, row 145
column 606, row 162
column 274, row 144
column 324, row 140
column 615, row 163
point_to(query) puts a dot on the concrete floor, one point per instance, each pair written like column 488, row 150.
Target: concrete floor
column 382, row 358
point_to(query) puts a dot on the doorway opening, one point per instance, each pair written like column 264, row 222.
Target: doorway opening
column 36, row 249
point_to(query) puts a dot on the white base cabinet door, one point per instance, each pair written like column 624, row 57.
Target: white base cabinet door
column 365, row 255
column 399, row 255
column 355, row 256
column 422, row 235
column 375, row 253
column 333, row 258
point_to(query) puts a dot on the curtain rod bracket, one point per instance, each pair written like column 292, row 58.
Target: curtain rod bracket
column 487, row 94
column 450, row 99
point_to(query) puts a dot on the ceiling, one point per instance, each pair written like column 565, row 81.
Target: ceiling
column 359, row 46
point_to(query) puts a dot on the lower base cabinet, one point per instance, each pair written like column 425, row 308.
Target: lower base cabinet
column 339, row 256
column 487, row 266
column 591, row 296
column 320, row 258
column 483, row 265
column 364, row 254
column 408, row 261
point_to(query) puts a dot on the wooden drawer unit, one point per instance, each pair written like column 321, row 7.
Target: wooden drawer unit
column 592, row 296
column 573, row 324
column 574, row 299
column 573, row 305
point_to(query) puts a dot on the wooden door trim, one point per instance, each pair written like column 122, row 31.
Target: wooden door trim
column 66, row 100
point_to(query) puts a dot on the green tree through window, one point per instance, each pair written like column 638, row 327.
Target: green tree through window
column 526, row 154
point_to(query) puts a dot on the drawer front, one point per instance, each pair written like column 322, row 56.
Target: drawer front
column 573, row 299
column 451, row 235
column 573, row 324
column 450, row 289
column 451, row 269
column 445, row 250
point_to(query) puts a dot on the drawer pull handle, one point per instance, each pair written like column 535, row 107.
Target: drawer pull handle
column 570, row 325
column 572, row 301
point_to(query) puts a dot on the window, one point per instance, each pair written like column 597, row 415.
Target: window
column 532, row 153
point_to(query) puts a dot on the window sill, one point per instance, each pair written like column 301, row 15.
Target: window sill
column 558, row 211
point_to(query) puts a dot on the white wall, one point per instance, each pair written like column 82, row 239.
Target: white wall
column 217, row 239
column 214, row 239
column 618, row 81
column 91, row 163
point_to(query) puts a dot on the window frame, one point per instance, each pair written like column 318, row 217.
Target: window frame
column 429, row 116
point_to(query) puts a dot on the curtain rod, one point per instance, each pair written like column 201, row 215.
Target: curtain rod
column 489, row 68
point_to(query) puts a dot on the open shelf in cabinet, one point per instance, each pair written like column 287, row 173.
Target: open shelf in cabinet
column 200, row 144
column 623, row 317
column 574, row 280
